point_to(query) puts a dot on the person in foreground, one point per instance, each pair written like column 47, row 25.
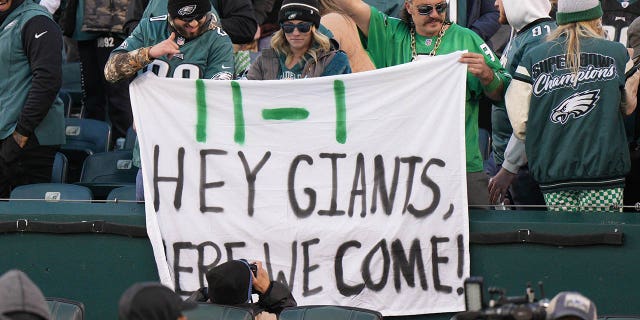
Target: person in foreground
column 21, row 299
column 152, row 301
column 233, row 282
column 568, row 305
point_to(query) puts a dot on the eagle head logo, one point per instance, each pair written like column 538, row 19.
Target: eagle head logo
column 576, row 105
column 187, row 10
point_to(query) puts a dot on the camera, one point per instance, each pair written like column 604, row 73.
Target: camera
column 254, row 269
column 525, row 307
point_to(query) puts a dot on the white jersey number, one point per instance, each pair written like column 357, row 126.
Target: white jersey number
column 183, row 71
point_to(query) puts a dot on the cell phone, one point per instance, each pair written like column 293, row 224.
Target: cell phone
column 473, row 298
column 254, row 269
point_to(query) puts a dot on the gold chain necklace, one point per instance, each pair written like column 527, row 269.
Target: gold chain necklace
column 414, row 54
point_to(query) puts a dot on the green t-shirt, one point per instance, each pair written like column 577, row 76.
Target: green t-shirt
column 389, row 44
column 290, row 74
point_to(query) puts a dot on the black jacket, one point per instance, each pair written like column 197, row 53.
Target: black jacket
column 274, row 300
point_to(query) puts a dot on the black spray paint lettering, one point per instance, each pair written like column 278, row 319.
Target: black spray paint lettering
column 304, row 204
column 407, row 268
column 359, row 187
column 403, row 263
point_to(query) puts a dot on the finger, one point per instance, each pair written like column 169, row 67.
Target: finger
column 172, row 36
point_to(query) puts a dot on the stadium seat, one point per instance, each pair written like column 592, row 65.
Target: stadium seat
column 72, row 84
column 67, row 101
column 329, row 312
column 105, row 171
column 130, row 139
column 84, row 137
column 64, row 309
column 211, row 311
column 51, row 192
column 127, row 193
column 60, row 167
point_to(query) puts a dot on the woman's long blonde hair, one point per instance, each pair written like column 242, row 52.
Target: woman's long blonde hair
column 574, row 32
column 319, row 42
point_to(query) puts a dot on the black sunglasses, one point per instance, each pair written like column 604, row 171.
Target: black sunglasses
column 303, row 27
column 198, row 18
column 425, row 10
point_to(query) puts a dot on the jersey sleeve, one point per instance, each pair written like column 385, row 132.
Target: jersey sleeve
column 382, row 28
column 518, row 99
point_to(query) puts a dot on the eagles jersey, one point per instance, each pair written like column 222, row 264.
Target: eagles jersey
column 527, row 38
column 574, row 132
column 618, row 15
column 389, row 44
column 208, row 56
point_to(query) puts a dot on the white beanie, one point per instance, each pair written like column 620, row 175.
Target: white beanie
column 578, row 10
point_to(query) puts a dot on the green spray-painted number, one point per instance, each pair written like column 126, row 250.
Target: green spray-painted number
column 201, row 105
column 239, row 134
column 341, row 111
column 285, row 114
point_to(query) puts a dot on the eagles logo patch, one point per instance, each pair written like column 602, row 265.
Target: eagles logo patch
column 187, row 10
column 292, row 16
column 577, row 105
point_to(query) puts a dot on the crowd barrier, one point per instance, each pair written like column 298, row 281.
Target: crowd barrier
column 91, row 252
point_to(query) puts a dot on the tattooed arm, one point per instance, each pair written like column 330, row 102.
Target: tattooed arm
column 123, row 65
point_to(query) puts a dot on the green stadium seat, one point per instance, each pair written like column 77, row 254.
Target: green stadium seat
column 64, row 309
column 126, row 193
column 105, row 171
column 211, row 311
column 60, row 167
column 51, row 192
column 329, row 312
column 84, row 137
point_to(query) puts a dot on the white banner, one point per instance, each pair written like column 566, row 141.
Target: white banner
column 351, row 189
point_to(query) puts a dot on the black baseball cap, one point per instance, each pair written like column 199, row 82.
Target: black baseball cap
column 151, row 301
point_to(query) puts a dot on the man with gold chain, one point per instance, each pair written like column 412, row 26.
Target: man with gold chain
column 424, row 30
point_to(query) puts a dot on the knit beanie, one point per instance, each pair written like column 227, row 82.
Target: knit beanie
column 188, row 9
column 578, row 10
column 305, row 10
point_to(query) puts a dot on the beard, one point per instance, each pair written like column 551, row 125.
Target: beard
column 182, row 31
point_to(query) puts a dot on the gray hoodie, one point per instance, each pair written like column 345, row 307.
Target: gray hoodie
column 520, row 13
column 19, row 294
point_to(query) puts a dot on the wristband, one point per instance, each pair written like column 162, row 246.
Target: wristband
column 494, row 84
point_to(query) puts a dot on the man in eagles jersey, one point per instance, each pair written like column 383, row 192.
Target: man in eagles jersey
column 424, row 30
column 186, row 43
column 531, row 23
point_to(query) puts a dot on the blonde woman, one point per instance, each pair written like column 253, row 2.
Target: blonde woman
column 298, row 50
column 567, row 98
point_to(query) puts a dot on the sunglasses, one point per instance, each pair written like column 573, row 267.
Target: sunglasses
column 303, row 27
column 197, row 18
column 425, row 10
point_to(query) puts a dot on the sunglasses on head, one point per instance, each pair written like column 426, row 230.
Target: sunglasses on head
column 303, row 27
column 425, row 10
